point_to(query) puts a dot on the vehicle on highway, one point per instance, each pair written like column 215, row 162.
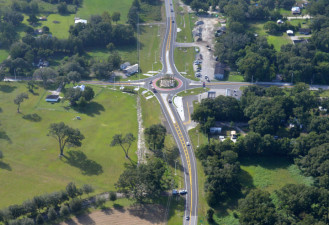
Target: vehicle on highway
column 150, row 82
column 169, row 100
column 154, row 90
column 183, row 192
column 173, row 21
column 187, row 143
column 187, row 218
column 172, row 10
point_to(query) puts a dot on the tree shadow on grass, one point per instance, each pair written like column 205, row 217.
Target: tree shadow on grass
column 119, row 207
column 32, row 117
column 107, row 210
column 87, row 166
column 70, row 222
column 3, row 135
column 5, row 166
column 91, row 109
column 7, row 88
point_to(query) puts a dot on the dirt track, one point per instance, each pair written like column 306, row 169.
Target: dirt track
column 145, row 215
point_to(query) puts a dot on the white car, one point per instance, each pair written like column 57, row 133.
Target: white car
column 183, row 192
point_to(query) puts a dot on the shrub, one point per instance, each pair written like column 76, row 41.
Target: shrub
column 39, row 219
column 52, row 215
column 87, row 189
column 75, row 205
column 100, row 201
column 64, row 211
column 113, row 196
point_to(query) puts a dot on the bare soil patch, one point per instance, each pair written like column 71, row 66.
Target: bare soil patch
column 134, row 215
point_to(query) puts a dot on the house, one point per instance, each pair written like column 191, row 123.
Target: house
column 130, row 70
column 295, row 10
column 305, row 31
column 219, row 71
column 52, row 98
column 81, row 87
column 299, row 41
column 279, row 22
column 290, row 32
column 78, row 20
column 215, row 130
column 211, row 94
column 124, row 65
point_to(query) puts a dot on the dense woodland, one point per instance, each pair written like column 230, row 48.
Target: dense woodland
column 282, row 122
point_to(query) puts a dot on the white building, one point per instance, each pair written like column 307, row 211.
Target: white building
column 295, row 10
column 81, row 87
column 215, row 130
column 130, row 70
column 78, row 20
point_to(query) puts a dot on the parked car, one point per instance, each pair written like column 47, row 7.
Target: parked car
column 183, row 192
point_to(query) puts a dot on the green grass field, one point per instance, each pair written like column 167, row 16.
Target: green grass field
column 276, row 40
column 235, row 77
column 150, row 43
column 93, row 7
column 3, row 54
column 31, row 160
column 194, row 91
column 185, row 23
column 184, row 58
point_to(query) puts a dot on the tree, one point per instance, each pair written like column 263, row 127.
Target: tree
column 210, row 215
column 100, row 201
column 46, row 74
column 65, row 135
column 72, row 190
column 116, row 16
column 31, row 85
column 62, row 8
column 143, row 182
column 124, row 142
column 271, row 27
column 155, row 136
column 19, row 99
column 64, row 211
column 39, row 220
column 32, row 19
column 113, row 196
column 87, row 189
column 75, row 205
column 257, row 208
column 88, row 93
column 74, row 77
column 52, row 215
column 73, row 95
column 133, row 16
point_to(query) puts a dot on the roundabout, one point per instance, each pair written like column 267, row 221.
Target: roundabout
column 165, row 84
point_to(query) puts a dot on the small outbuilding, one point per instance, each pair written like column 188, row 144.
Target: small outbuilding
column 52, row 98
column 215, row 130
column 130, row 70
column 212, row 95
column 78, row 20
column 305, row 31
column 290, row 32
column 219, row 71
column 279, row 22
column 81, row 87
column 295, row 10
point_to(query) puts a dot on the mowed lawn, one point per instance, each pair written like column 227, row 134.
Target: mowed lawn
column 276, row 40
column 3, row 54
column 184, row 58
column 93, row 7
column 31, row 165
column 150, row 42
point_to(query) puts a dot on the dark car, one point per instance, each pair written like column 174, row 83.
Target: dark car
column 169, row 101
column 150, row 82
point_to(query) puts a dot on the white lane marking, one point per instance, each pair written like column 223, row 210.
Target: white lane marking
column 164, row 98
column 169, row 70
